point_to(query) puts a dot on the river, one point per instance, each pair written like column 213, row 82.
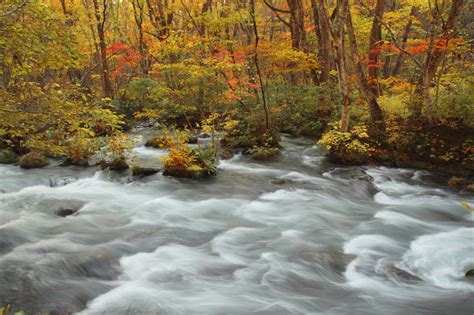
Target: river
column 296, row 235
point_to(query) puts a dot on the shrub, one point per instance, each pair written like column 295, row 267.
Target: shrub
column 347, row 147
column 114, row 151
column 183, row 161
column 79, row 150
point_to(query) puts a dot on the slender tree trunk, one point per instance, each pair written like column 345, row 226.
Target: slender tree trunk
column 374, row 47
column 435, row 56
column 367, row 91
column 138, row 14
column 336, row 29
column 257, row 66
column 406, row 33
column 324, row 48
column 100, row 15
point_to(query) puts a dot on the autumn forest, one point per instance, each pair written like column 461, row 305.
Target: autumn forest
column 209, row 96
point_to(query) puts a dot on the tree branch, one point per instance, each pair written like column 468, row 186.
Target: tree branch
column 24, row 3
column 393, row 36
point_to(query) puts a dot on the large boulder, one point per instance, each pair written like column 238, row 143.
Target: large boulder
column 144, row 171
column 33, row 160
column 8, row 156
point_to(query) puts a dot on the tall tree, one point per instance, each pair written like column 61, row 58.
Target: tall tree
column 336, row 28
column 438, row 39
column 100, row 10
column 367, row 86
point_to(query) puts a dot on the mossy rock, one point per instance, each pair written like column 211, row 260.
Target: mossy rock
column 194, row 171
column 349, row 157
column 469, row 188
column 8, row 156
column 33, row 160
column 119, row 164
column 192, row 139
column 226, row 154
column 155, row 142
column 457, row 181
column 264, row 153
column 144, row 171
column 470, row 274
column 76, row 162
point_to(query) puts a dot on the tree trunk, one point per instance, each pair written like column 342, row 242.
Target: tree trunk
column 406, row 33
column 434, row 57
column 100, row 16
column 336, row 29
column 376, row 114
column 324, row 43
column 138, row 14
column 257, row 67
column 374, row 47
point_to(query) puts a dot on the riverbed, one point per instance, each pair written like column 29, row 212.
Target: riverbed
column 294, row 235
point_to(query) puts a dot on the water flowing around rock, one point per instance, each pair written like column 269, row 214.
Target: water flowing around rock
column 292, row 236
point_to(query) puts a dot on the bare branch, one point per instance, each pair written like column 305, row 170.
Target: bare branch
column 393, row 36
column 24, row 3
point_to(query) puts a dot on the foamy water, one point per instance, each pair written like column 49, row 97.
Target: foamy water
column 291, row 236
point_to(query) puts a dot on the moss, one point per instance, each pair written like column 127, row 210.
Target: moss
column 457, row 181
column 8, row 156
column 119, row 164
column 226, row 154
column 33, row 160
column 153, row 142
column 264, row 153
column 347, row 147
column 79, row 161
column 143, row 171
column 159, row 142
column 469, row 188
column 190, row 163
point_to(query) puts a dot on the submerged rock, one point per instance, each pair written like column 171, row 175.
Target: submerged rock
column 282, row 181
column 470, row 274
column 144, row 171
column 60, row 207
column 391, row 270
column 65, row 212
column 337, row 260
column 8, row 156
column 33, row 160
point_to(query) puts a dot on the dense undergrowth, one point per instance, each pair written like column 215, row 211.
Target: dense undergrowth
column 234, row 73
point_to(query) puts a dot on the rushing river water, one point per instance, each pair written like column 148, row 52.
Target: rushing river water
column 292, row 236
